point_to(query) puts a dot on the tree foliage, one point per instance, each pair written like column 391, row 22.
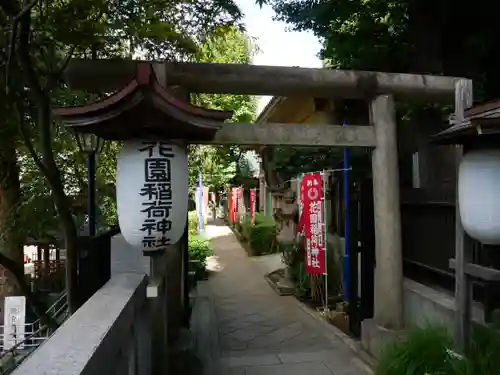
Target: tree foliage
column 219, row 165
column 38, row 38
column 411, row 36
column 416, row 36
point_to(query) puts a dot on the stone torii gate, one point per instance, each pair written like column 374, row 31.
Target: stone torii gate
column 171, row 81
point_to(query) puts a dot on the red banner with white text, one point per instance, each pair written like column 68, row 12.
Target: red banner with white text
column 234, row 205
column 230, row 206
column 312, row 221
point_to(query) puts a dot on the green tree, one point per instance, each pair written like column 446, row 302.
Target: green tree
column 410, row 36
column 402, row 36
column 220, row 164
column 39, row 37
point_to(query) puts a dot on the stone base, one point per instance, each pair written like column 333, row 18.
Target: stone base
column 283, row 287
column 374, row 337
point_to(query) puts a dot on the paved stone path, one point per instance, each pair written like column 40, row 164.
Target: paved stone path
column 243, row 327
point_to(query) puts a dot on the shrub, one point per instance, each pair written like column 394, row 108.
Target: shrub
column 262, row 235
column 192, row 223
column 199, row 249
column 239, row 224
column 245, row 227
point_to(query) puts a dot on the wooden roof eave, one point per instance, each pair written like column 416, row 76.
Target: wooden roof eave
column 144, row 90
column 468, row 130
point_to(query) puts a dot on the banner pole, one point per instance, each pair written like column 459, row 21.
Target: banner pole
column 200, row 203
column 325, row 238
column 299, row 201
column 347, row 228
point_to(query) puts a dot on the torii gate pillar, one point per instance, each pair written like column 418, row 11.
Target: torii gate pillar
column 387, row 212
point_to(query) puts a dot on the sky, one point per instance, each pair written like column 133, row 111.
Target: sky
column 278, row 46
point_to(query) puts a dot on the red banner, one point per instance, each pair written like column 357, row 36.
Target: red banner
column 233, row 205
column 252, row 205
column 312, row 221
column 230, row 206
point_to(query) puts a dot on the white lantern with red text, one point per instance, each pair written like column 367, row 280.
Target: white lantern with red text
column 479, row 195
column 152, row 193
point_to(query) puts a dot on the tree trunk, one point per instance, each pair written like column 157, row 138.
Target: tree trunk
column 13, row 281
column 11, row 237
column 61, row 201
column 40, row 101
column 11, row 244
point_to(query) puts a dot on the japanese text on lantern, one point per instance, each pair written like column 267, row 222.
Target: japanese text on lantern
column 314, row 224
column 157, row 195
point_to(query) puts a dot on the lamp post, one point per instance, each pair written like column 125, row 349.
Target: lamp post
column 90, row 144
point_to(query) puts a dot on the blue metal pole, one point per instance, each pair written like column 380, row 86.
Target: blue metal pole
column 347, row 226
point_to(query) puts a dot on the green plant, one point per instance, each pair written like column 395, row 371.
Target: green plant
column 239, row 225
column 199, row 250
column 484, row 354
column 262, row 235
column 429, row 350
column 422, row 351
column 302, row 285
column 246, row 227
column 192, row 223
column 220, row 212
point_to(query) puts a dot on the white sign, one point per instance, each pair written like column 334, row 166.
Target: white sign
column 152, row 193
column 14, row 322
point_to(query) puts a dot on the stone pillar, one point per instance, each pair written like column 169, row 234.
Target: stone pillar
column 388, row 283
column 173, row 280
column 127, row 259
column 158, row 309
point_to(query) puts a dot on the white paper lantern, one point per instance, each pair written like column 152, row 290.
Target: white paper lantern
column 152, row 193
column 479, row 195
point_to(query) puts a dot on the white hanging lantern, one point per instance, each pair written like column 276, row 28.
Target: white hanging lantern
column 479, row 195
column 152, row 193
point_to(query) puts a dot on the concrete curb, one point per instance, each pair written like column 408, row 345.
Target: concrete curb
column 355, row 346
column 276, row 288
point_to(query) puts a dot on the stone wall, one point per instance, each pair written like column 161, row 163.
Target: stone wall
column 423, row 305
column 109, row 334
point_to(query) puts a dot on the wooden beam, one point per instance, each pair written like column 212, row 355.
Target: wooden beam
column 295, row 135
column 478, row 271
column 109, row 75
